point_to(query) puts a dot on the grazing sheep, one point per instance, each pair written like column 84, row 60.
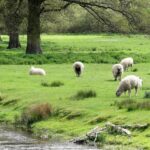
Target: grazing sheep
column 117, row 71
column 37, row 71
column 78, row 68
column 128, row 83
column 127, row 62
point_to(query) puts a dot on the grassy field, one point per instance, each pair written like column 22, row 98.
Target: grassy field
column 71, row 116
column 17, row 85
column 88, row 48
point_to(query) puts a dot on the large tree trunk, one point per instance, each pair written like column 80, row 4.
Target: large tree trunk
column 13, row 19
column 33, row 31
column 13, row 40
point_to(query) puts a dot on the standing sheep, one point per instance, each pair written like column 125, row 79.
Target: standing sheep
column 127, row 62
column 128, row 83
column 37, row 71
column 78, row 68
column 117, row 71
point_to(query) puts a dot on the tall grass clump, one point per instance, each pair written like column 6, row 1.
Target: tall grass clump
column 99, row 119
column 131, row 105
column 147, row 95
column 135, row 70
column 2, row 97
column 53, row 84
column 35, row 113
column 82, row 94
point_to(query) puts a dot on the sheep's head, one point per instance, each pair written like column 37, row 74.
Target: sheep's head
column 118, row 93
column 78, row 70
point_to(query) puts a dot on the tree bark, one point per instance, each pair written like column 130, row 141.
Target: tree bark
column 13, row 18
column 33, row 29
column 13, row 40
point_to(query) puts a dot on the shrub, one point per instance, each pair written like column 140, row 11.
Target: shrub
column 84, row 94
column 36, row 113
column 53, row 84
column 147, row 95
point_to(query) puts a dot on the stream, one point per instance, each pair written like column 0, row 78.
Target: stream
column 13, row 140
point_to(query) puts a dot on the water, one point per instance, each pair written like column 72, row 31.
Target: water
column 12, row 140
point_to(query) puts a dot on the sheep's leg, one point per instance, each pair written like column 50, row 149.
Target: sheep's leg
column 115, row 78
column 136, row 90
column 125, row 93
column 119, row 78
column 129, row 92
column 131, row 67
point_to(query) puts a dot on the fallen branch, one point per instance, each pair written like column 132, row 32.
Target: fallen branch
column 112, row 128
column 93, row 134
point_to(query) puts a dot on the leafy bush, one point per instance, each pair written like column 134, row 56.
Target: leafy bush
column 84, row 94
column 35, row 113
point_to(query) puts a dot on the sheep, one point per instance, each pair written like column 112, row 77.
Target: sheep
column 117, row 71
column 78, row 68
column 37, row 71
column 127, row 62
column 128, row 83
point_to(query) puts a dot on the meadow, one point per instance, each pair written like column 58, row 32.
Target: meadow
column 72, row 116
column 104, row 48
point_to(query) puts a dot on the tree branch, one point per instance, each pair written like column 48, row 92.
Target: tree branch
column 43, row 9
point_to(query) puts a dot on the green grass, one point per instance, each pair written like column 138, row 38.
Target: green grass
column 73, row 118
column 87, row 48
column 70, row 118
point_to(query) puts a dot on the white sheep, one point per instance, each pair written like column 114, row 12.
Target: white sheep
column 128, row 83
column 117, row 71
column 78, row 68
column 37, row 71
column 127, row 62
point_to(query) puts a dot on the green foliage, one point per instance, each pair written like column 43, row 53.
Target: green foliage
column 82, row 94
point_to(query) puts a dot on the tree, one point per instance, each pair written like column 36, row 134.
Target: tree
column 36, row 7
column 12, row 17
column 33, row 29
